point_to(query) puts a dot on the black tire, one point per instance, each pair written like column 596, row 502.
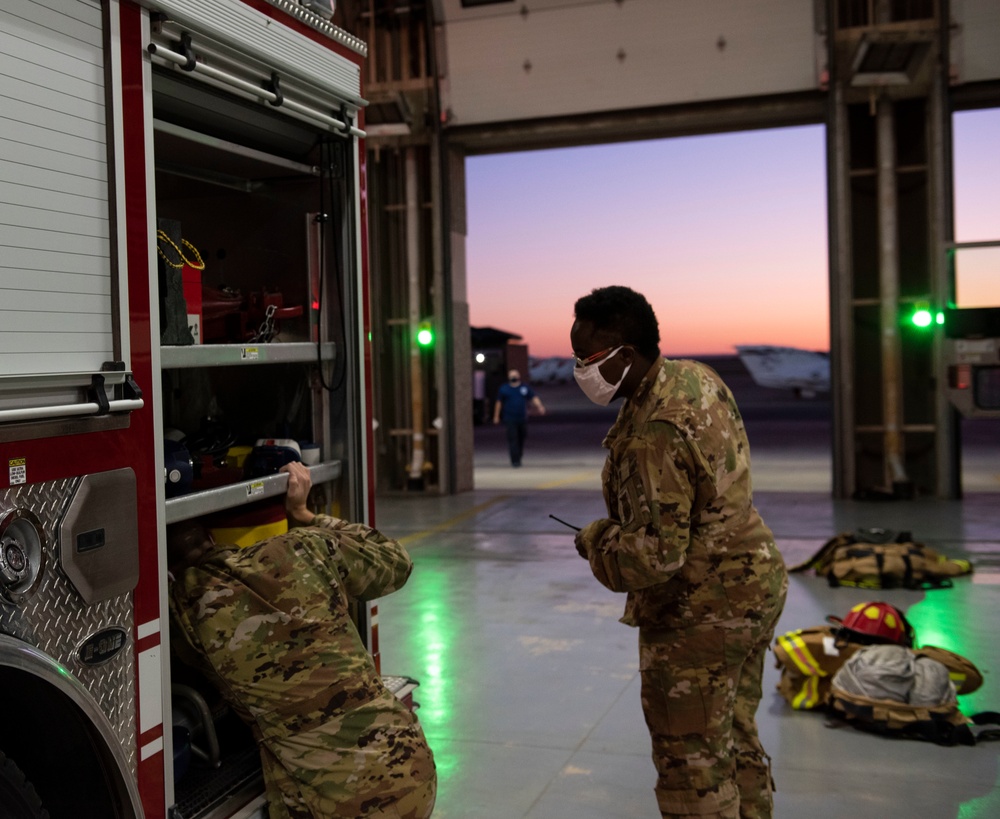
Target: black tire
column 18, row 799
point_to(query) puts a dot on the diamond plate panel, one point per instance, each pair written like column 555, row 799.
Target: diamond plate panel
column 57, row 621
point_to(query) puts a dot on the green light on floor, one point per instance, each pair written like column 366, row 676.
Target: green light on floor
column 982, row 807
column 439, row 623
column 437, row 635
column 938, row 620
column 951, row 620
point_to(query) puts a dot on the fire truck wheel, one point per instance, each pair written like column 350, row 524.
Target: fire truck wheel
column 18, row 799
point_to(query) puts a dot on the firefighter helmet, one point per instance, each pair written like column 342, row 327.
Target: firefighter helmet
column 875, row 622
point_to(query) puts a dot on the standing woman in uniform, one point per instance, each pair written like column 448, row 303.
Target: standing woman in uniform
column 705, row 581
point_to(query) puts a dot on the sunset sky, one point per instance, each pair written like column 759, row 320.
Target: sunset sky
column 724, row 234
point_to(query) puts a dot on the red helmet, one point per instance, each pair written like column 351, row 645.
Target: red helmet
column 875, row 623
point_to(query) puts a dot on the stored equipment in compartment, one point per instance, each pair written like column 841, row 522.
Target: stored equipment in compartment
column 185, row 278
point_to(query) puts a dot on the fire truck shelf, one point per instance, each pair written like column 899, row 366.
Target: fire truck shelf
column 237, row 494
column 402, row 688
column 228, row 355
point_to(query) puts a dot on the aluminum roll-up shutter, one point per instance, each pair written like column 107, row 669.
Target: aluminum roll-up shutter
column 58, row 279
column 232, row 47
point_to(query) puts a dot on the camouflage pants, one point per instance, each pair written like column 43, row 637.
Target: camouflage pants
column 700, row 692
column 305, row 781
column 417, row 803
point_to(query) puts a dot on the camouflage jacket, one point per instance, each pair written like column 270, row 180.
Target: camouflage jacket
column 270, row 625
column 682, row 536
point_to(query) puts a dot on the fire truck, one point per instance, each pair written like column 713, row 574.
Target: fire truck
column 184, row 294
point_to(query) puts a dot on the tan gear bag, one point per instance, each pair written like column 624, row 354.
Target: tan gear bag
column 962, row 671
column 943, row 724
column 880, row 559
column 893, row 690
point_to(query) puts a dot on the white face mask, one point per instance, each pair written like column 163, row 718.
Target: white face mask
column 594, row 385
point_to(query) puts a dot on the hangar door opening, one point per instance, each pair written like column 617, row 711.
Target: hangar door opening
column 976, row 270
column 725, row 234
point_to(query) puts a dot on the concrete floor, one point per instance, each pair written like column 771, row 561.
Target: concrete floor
column 529, row 689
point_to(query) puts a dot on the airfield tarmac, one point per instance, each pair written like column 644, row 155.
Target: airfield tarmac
column 790, row 440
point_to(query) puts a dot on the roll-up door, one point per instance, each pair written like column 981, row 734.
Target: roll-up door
column 58, row 275
column 237, row 49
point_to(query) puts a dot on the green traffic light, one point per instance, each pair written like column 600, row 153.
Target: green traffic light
column 425, row 336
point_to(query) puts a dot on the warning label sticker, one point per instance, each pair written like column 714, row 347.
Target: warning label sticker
column 17, row 469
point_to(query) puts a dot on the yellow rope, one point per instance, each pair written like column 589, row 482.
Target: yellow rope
column 161, row 236
column 199, row 265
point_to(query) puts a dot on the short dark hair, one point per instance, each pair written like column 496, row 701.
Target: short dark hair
column 182, row 536
column 623, row 312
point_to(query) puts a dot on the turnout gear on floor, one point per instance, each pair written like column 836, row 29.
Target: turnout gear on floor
column 881, row 559
column 891, row 689
column 963, row 672
column 809, row 658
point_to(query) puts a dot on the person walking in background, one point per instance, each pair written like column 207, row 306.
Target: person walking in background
column 705, row 581
column 512, row 408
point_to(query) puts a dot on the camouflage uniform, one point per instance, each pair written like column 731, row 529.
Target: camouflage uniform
column 705, row 585
column 271, row 627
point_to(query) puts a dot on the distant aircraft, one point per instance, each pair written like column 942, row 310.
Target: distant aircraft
column 805, row 371
column 553, row 370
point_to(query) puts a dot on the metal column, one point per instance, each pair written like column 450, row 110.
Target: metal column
column 889, row 175
column 888, row 274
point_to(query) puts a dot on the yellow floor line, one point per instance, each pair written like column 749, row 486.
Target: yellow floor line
column 581, row 476
column 441, row 527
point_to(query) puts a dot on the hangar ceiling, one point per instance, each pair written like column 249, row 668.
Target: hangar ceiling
column 547, row 58
column 613, row 65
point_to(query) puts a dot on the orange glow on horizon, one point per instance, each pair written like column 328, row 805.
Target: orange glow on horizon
column 681, row 335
